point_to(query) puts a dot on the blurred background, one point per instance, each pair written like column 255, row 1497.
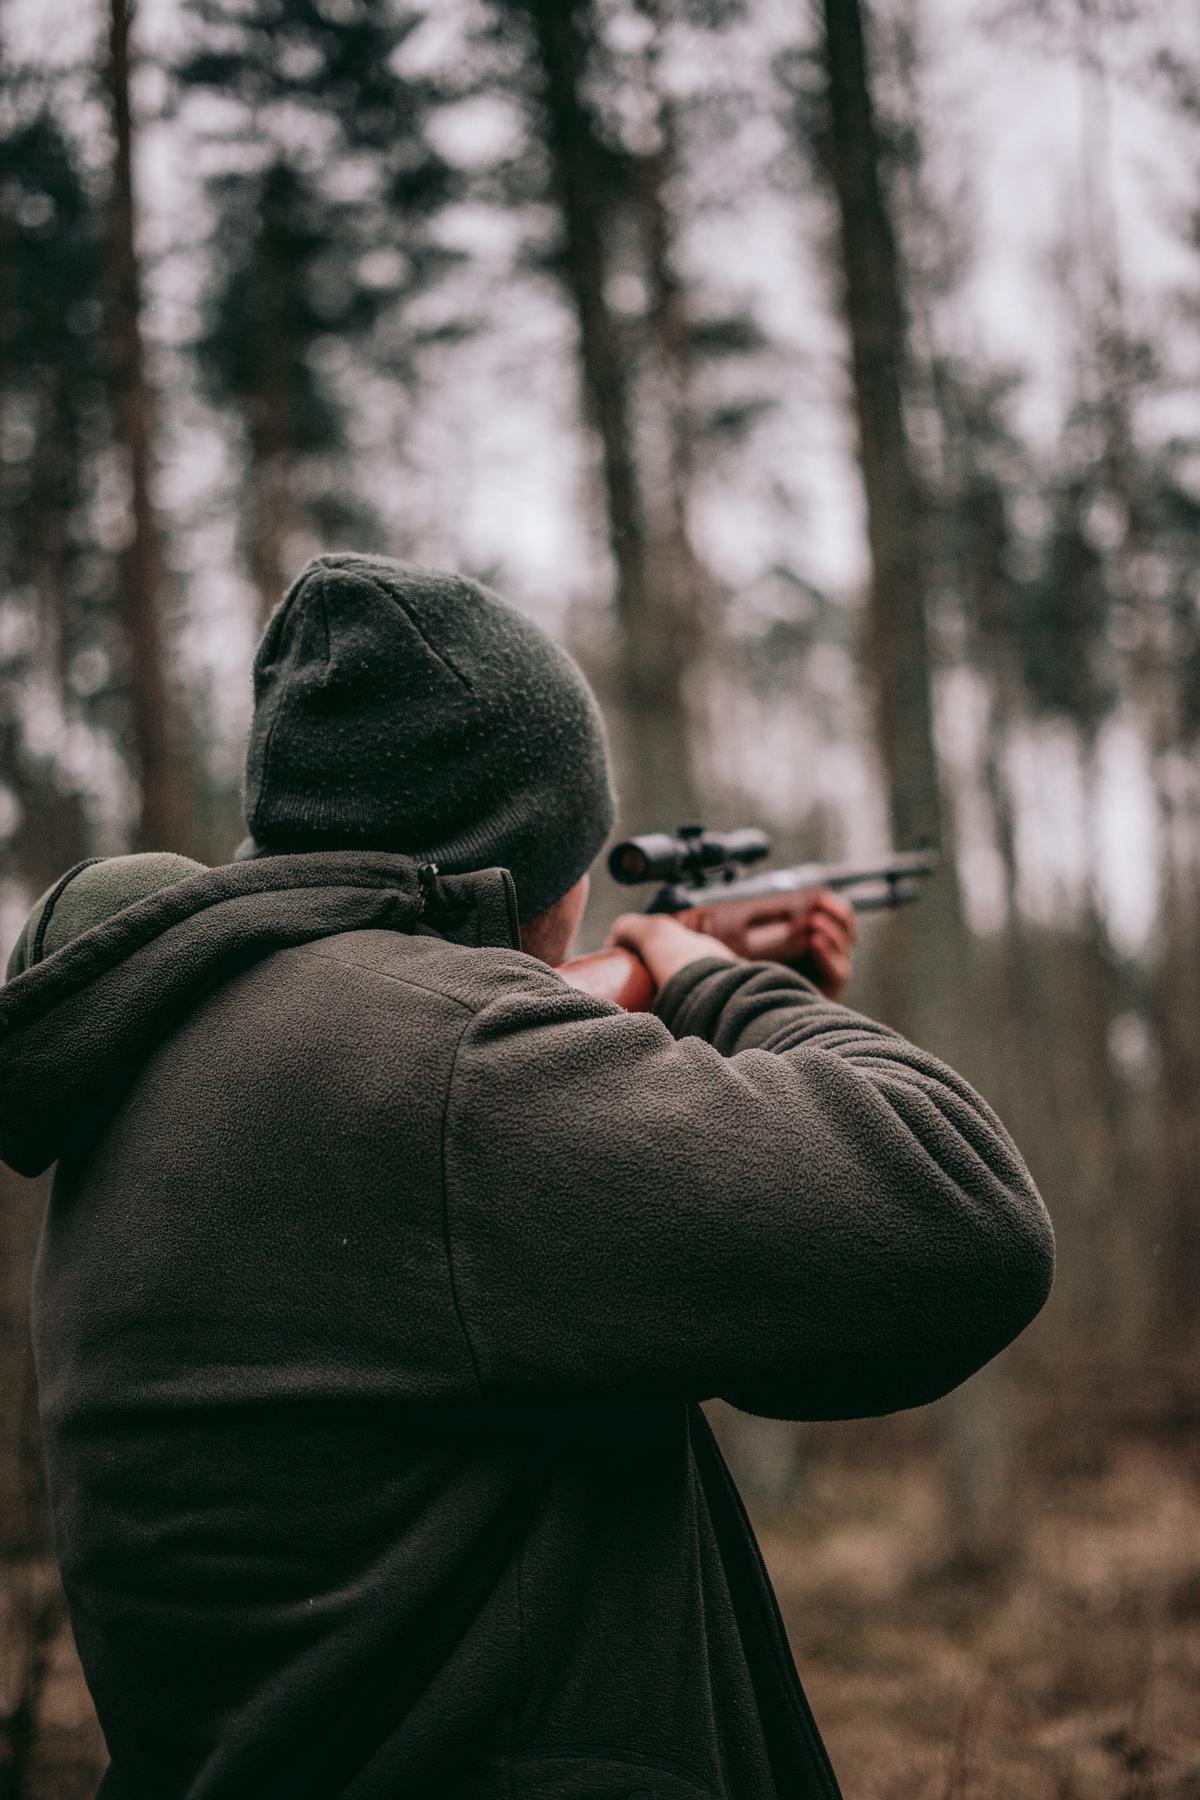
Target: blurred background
column 826, row 376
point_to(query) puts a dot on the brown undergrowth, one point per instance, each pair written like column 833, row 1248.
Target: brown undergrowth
column 1068, row 1671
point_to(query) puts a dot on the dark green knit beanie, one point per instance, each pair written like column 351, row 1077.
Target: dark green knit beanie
column 401, row 708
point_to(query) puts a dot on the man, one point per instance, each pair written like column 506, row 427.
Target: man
column 384, row 1271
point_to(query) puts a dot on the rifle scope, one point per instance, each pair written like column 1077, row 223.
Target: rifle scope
column 688, row 857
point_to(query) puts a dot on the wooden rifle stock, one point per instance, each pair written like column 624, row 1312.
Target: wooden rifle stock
column 616, row 975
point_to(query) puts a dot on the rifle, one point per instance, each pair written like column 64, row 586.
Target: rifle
column 703, row 886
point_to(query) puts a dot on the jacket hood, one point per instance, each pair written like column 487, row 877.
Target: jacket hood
column 99, row 978
column 90, row 892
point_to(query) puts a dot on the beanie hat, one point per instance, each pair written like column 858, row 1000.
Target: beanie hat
column 401, row 708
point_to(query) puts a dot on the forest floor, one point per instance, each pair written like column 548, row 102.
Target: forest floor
column 1070, row 1672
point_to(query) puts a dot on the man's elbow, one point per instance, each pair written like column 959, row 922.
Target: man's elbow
column 984, row 1297
column 1022, row 1264
column 941, row 1315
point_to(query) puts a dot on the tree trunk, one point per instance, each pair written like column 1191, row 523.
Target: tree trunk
column 271, row 510
column 897, row 636
column 1177, row 1001
column 657, row 639
column 928, row 954
column 766, row 1455
column 164, row 820
column 1154, row 683
column 682, row 583
column 48, row 537
column 57, row 832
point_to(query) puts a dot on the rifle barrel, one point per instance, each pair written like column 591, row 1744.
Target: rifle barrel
column 869, row 887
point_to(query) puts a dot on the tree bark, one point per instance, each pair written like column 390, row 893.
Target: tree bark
column 1116, row 390
column 927, row 957
column 56, row 834
column 925, row 954
column 657, row 640
column 897, row 633
column 163, row 820
column 271, row 508
column 682, row 581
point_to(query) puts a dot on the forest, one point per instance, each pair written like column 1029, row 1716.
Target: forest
column 827, row 378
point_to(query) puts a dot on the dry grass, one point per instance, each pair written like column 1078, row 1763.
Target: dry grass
column 1070, row 1673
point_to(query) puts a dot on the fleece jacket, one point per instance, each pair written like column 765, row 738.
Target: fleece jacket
column 382, row 1279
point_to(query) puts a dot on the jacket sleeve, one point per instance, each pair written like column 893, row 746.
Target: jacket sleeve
column 756, row 1193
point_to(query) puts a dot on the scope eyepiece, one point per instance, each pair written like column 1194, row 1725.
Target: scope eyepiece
column 688, row 857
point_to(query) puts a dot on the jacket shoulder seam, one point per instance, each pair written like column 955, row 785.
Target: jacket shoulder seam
column 426, row 987
column 475, row 1008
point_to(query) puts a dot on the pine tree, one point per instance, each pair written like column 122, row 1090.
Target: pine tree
column 840, row 126
column 321, row 239
column 930, row 963
column 165, row 815
column 60, row 589
column 586, row 174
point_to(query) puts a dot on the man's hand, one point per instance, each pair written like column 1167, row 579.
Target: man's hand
column 828, row 956
column 664, row 945
column 819, row 942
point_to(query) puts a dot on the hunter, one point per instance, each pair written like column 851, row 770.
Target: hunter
column 385, row 1272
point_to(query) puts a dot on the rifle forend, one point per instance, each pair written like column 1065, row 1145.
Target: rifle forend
column 762, row 916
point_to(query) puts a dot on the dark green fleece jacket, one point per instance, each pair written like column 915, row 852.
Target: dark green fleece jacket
column 381, row 1280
